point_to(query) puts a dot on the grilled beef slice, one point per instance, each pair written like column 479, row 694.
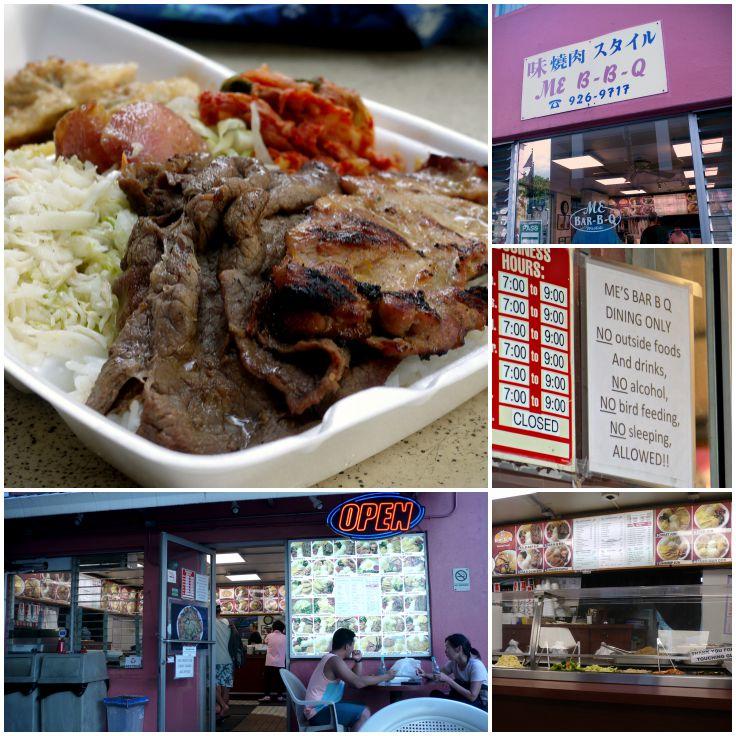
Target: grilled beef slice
column 251, row 300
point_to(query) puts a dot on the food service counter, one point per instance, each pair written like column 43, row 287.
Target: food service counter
column 249, row 677
column 590, row 636
column 591, row 702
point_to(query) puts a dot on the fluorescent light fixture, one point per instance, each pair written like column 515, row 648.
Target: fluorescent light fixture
column 689, row 174
column 709, row 145
column 692, row 186
column 615, row 180
column 712, row 145
column 711, row 171
column 578, row 162
column 633, row 191
column 244, row 576
column 709, row 186
column 227, row 557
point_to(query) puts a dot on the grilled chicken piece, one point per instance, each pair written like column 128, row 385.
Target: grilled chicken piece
column 40, row 93
column 386, row 265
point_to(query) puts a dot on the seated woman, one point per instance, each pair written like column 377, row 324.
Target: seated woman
column 343, row 664
column 464, row 672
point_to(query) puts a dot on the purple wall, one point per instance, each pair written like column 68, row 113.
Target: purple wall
column 458, row 540
column 697, row 43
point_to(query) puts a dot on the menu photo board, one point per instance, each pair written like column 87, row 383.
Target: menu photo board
column 692, row 534
column 252, row 599
column 678, row 534
column 377, row 588
column 542, row 546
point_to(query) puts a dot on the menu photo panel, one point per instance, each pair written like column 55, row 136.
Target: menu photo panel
column 377, row 588
column 675, row 534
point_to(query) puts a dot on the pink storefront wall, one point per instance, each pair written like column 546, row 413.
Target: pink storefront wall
column 460, row 539
column 697, row 43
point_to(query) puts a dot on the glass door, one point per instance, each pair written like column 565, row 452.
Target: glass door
column 186, row 689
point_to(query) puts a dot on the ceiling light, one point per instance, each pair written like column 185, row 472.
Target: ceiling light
column 225, row 557
column 712, row 145
column 577, row 162
column 692, row 186
column 709, row 186
column 711, row 171
column 633, row 191
column 244, row 576
column 615, row 180
column 689, row 174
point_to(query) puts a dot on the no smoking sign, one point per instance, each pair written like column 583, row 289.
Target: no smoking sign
column 461, row 578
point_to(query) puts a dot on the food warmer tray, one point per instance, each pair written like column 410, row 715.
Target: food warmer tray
column 714, row 682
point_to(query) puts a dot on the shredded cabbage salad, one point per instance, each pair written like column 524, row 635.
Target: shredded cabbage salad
column 66, row 230
column 229, row 137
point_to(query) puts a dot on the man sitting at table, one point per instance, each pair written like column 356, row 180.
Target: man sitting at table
column 343, row 664
column 464, row 672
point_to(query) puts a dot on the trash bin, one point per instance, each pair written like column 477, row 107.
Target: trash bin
column 22, row 711
column 125, row 712
column 71, row 690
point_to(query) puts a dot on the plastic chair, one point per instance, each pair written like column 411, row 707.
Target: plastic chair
column 427, row 715
column 295, row 687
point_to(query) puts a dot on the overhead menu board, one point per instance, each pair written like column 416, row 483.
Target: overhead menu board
column 377, row 588
column 252, row 599
column 679, row 534
column 532, row 403
column 640, row 376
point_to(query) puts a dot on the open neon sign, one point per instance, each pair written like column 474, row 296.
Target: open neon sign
column 375, row 516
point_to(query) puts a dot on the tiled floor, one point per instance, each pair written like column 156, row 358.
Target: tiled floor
column 253, row 717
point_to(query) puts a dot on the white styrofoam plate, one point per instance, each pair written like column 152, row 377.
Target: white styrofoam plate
column 352, row 429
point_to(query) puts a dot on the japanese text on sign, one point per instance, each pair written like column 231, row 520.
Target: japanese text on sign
column 640, row 394
column 532, row 414
column 616, row 67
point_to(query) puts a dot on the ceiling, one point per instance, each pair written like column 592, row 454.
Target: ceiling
column 528, row 506
column 52, row 503
column 269, row 561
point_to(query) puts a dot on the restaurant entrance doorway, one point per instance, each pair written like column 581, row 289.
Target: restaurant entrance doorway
column 186, row 636
column 251, row 591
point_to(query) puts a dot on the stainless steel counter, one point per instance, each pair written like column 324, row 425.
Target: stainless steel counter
column 617, row 678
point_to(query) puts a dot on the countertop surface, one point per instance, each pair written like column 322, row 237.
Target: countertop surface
column 446, row 84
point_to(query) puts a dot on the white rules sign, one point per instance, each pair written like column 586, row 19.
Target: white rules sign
column 640, row 376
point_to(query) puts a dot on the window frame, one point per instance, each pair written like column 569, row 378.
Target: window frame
column 698, row 167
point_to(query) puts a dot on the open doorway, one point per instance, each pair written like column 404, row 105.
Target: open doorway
column 252, row 595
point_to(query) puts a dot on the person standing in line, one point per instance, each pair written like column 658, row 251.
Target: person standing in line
column 223, row 664
column 275, row 659
column 655, row 233
column 678, row 237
